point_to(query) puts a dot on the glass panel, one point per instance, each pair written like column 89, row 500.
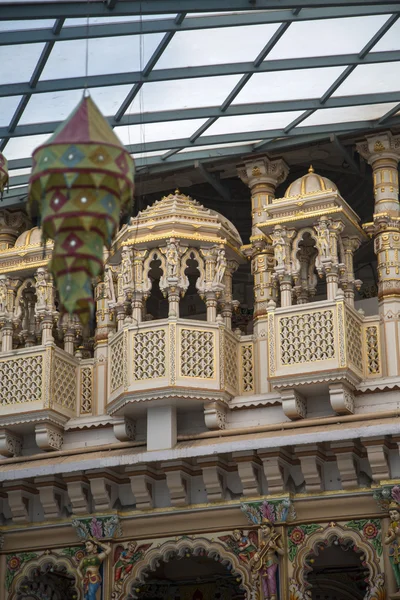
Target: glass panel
column 187, row 93
column 216, row 146
column 103, row 20
column 56, row 106
column 216, row 46
column 106, row 55
column 390, row 41
column 154, row 132
column 288, row 85
column 329, row 36
column 369, row 79
column 21, row 25
column 8, row 106
column 21, row 147
column 17, row 172
column 252, row 122
column 18, row 62
column 368, row 112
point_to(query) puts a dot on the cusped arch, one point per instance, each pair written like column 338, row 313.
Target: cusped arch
column 296, row 246
column 179, row 548
column 37, row 563
column 200, row 265
column 327, row 536
column 154, row 254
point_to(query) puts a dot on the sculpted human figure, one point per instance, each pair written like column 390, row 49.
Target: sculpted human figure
column 279, row 245
column 125, row 560
column 42, row 289
column 89, row 568
column 126, row 267
column 266, row 560
column 220, row 266
column 392, row 539
column 323, row 238
column 172, row 257
column 3, row 294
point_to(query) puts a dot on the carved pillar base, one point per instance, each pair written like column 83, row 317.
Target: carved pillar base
column 124, row 429
column 48, row 437
column 215, row 415
column 293, row 404
column 10, row 443
column 341, row 398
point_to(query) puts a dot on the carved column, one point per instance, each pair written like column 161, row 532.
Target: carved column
column 262, row 175
column 382, row 151
column 348, row 283
column 140, row 288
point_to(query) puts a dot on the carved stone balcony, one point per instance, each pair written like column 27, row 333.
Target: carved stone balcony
column 38, row 388
column 326, row 344
column 184, row 360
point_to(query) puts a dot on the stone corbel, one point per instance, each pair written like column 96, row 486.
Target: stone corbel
column 311, row 461
column 142, row 484
column 178, row 475
column 124, row 429
column 215, row 415
column 249, row 470
column 293, row 404
column 378, row 457
column 104, row 489
column 348, row 454
column 52, row 494
column 78, row 493
column 341, row 398
column 10, row 443
column 20, row 496
column 214, row 477
column 276, row 464
column 48, row 437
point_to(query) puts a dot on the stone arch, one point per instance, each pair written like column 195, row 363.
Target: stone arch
column 200, row 262
column 179, row 548
column 39, row 563
column 326, row 536
column 154, row 254
column 296, row 246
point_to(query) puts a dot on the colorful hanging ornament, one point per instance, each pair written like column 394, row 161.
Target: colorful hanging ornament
column 3, row 174
column 81, row 179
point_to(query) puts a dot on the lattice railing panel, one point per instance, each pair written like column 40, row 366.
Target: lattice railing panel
column 231, row 363
column 64, row 383
column 307, row 337
column 197, row 354
column 247, row 367
column 373, row 358
column 117, row 364
column 149, row 354
column 21, row 380
column 354, row 341
column 86, row 390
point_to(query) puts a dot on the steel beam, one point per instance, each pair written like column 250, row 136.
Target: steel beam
column 32, row 36
column 54, row 10
column 215, row 111
column 112, row 79
column 354, row 166
column 218, row 186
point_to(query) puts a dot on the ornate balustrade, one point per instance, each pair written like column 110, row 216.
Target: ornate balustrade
column 322, row 341
column 246, row 366
column 174, row 357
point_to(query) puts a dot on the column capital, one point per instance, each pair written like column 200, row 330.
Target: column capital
column 263, row 170
column 382, row 145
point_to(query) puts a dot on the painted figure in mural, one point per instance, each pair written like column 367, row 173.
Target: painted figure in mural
column 172, row 257
column 125, row 558
column 392, row 539
column 89, row 568
column 265, row 562
column 244, row 546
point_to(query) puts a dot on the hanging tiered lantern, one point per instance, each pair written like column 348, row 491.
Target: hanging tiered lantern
column 3, row 174
column 81, row 179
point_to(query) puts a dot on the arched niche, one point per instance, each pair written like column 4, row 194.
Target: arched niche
column 305, row 262
column 154, row 272
column 48, row 577
column 192, row 273
column 301, row 589
column 181, row 548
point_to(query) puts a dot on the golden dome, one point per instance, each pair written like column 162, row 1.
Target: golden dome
column 180, row 213
column 310, row 184
column 30, row 238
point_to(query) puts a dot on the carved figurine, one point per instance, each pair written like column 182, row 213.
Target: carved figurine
column 279, row 245
column 172, row 257
column 3, row 293
column 265, row 561
column 392, row 540
column 220, row 266
column 43, row 289
column 125, row 560
column 244, row 546
column 89, row 568
column 126, row 266
column 323, row 233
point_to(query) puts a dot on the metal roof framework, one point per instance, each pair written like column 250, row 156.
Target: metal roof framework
column 187, row 84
